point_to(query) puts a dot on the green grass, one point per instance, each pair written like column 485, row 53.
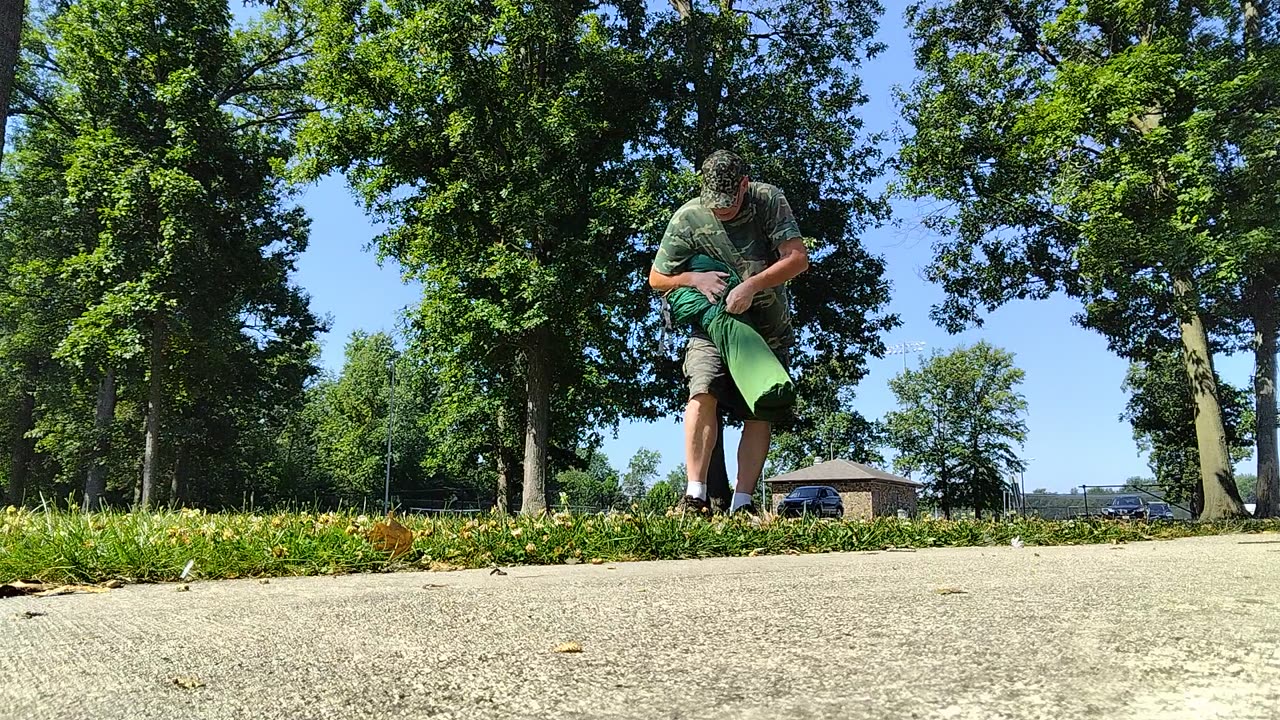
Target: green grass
column 61, row 546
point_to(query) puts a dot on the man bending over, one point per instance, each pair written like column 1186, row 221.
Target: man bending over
column 748, row 226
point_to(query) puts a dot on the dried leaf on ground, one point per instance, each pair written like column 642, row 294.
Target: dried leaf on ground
column 19, row 588
column 187, row 682
column 28, row 614
column 568, row 647
column 497, row 571
column 183, row 588
column 597, row 561
column 71, row 589
column 951, row 591
column 113, row 584
column 439, row 566
column 391, row 537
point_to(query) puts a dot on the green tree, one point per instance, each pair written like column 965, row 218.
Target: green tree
column 1080, row 149
column 591, row 483
column 1162, row 411
column 960, row 424
column 160, row 278
column 665, row 493
column 1248, row 487
column 642, row 470
column 351, row 415
column 491, row 137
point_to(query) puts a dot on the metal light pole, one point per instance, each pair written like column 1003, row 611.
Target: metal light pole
column 904, row 349
column 391, row 417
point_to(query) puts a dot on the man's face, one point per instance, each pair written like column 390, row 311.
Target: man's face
column 728, row 213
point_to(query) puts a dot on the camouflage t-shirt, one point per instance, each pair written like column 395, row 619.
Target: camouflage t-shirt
column 748, row 243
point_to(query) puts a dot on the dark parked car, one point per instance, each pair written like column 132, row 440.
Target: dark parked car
column 819, row 500
column 1159, row 511
column 1129, row 507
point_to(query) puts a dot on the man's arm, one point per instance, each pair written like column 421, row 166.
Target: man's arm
column 710, row 284
column 793, row 259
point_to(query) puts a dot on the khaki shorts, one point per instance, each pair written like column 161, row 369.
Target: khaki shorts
column 705, row 372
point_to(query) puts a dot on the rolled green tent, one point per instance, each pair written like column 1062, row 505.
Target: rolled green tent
column 764, row 383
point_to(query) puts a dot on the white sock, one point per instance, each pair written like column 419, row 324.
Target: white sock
column 739, row 499
column 697, row 489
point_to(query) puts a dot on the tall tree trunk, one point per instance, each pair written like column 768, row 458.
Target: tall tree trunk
column 95, row 485
column 178, row 490
column 719, row 494
column 24, row 448
column 1264, row 324
column 1221, row 497
column 537, row 423
column 155, row 398
column 11, row 14
column 506, row 464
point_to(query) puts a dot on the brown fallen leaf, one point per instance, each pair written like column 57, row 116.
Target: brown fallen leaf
column 611, row 568
column 597, row 561
column 438, row 566
column 951, row 591
column 497, row 571
column 71, row 589
column 391, row 537
column 183, row 588
column 28, row 614
column 188, row 683
column 568, row 647
column 113, row 584
column 19, row 588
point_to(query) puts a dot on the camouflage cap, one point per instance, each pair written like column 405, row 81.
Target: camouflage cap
column 722, row 173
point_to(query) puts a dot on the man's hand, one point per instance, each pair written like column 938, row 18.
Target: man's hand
column 739, row 300
column 710, row 284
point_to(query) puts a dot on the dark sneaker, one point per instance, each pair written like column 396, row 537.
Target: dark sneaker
column 748, row 509
column 691, row 504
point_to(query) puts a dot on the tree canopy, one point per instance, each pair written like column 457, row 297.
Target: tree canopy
column 959, row 426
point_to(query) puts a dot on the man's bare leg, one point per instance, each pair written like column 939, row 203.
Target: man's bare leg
column 752, row 451
column 699, row 441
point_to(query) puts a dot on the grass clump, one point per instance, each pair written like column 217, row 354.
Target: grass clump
column 74, row 547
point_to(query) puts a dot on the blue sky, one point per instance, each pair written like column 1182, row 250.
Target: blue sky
column 1072, row 383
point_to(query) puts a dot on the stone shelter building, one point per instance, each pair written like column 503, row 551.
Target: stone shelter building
column 866, row 492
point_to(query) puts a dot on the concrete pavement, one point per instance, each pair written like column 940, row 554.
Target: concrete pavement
column 1182, row 629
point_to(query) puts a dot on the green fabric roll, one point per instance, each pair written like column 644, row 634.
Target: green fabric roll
column 763, row 381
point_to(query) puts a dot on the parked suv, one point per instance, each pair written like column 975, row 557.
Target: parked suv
column 820, row 500
column 1129, row 507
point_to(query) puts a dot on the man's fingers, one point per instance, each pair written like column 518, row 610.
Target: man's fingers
column 720, row 275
